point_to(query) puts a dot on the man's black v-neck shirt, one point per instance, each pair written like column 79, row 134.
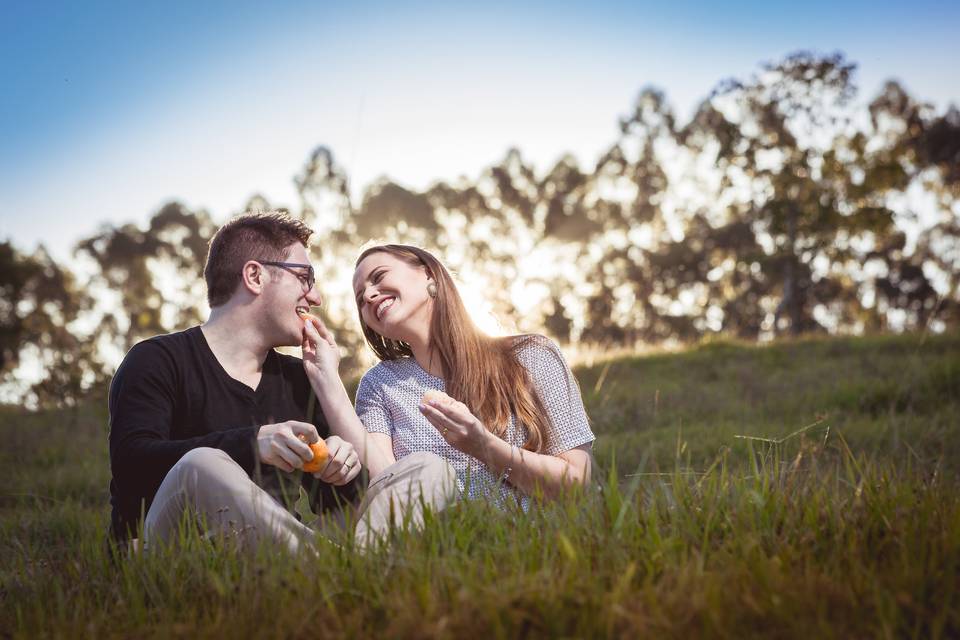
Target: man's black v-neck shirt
column 171, row 395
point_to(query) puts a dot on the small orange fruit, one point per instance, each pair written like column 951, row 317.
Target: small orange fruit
column 320, row 455
column 309, row 317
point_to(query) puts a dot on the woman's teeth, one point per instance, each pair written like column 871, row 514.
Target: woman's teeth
column 383, row 306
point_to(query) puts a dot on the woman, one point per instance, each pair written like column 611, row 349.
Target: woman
column 513, row 426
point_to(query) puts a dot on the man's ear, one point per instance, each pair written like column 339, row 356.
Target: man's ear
column 253, row 276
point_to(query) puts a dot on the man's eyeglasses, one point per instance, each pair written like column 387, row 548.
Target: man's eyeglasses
column 306, row 279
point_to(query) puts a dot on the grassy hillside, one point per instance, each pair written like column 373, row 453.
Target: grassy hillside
column 894, row 396
column 709, row 519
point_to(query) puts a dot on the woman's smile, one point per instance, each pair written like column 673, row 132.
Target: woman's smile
column 383, row 307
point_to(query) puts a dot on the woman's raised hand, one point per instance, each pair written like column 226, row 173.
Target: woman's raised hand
column 460, row 428
column 321, row 355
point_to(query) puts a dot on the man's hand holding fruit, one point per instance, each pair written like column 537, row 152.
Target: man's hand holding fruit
column 296, row 445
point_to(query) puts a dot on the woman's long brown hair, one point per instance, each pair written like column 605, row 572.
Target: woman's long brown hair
column 481, row 371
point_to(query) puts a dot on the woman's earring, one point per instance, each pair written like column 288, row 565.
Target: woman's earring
column 432, row 289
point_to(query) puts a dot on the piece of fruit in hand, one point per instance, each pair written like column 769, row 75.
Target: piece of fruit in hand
column 320, row 455
column 435, row 396
column 309, row 317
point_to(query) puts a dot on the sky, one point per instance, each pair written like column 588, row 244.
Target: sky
column 110, row 110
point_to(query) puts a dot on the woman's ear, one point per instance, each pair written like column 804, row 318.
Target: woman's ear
column 431, row 283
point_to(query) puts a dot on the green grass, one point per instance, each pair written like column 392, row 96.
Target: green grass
column 707, row 520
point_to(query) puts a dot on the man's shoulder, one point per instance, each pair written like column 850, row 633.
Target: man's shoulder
column 183, row 337
column 165, row 346
column 157, row 360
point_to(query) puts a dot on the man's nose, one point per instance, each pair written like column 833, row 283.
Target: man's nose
column 313, row 297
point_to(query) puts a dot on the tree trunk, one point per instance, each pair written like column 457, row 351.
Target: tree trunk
column 790, row 302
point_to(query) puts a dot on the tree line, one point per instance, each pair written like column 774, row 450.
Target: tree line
column 783, row 206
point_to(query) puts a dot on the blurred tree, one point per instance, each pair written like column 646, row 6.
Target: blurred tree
column 567, row 217
column 156, row 272
column 817, row 193
column 930, row 144
column 931, row 140
column 39, row 308
column 902, row 287
column 387, row 205
column 779, row 207
column 324, row 192
column 650, row 126
column 625, row 248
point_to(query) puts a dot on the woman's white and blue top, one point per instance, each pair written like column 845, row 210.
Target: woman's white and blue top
column 389, row 396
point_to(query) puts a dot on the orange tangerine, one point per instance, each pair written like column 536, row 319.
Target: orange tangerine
column 309, row 317
column 320, row 455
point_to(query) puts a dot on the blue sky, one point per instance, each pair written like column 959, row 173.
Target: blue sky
column 111, row 109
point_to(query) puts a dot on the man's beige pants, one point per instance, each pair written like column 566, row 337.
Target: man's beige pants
column 208, row 483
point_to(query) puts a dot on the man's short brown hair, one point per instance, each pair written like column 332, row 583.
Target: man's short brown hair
column 251, row 236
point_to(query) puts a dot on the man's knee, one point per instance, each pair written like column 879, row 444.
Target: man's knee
column 202, row 463
column 202, row 458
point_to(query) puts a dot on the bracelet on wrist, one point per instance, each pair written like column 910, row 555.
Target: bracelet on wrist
column 509, row 468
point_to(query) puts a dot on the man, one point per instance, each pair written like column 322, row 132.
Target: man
column 212, row 421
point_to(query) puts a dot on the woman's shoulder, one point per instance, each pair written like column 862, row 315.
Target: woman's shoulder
column 534, row 345
column 383, row 369
column 387, row 372
column 539, row 354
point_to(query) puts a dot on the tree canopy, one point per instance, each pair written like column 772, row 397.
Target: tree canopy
column 782, row 206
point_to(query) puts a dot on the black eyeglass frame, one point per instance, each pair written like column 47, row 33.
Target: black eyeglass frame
column 310, row 276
